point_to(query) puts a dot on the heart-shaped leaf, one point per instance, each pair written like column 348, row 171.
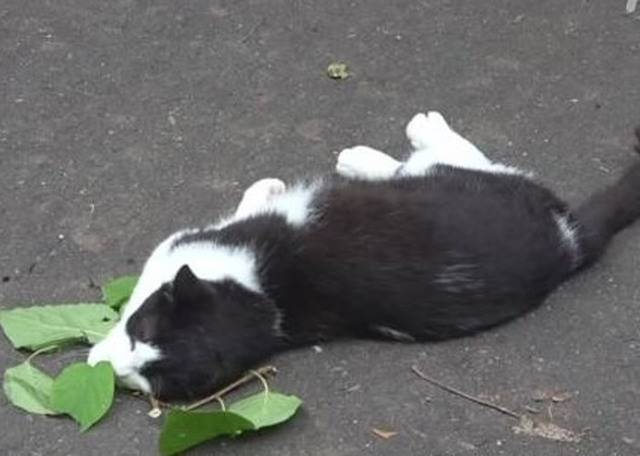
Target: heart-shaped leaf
column 84, row 392
column 266, row 409
column 29, row 388
column 116, row 292
column 184, row 430
column 39, row 326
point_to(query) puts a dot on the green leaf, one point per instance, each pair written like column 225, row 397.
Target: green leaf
column 184, row 430
column 84, row 392
column 29, row 388
column 39, row 326
column 116, row 292
column 266, row 409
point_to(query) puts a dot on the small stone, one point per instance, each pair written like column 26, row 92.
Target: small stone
column 354, row 388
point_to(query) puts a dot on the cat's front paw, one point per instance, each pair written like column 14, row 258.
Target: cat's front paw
column 427, row 130
column 265, row 189
column 362, row 162
column 258, row 196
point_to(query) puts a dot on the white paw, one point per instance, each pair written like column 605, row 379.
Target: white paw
column 362, row 162
column 425, row 131
column 258, row 195
column 265, row 189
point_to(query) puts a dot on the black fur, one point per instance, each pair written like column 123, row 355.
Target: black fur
column 434, row 257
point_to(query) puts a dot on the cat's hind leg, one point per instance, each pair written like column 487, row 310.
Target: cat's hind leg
column 362, row 162
column 435, row 142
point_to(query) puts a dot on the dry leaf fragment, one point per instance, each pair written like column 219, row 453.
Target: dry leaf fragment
column 546, row 430
column 338, row 70
column 561, row 397
column 383, row 434
column 540, row 395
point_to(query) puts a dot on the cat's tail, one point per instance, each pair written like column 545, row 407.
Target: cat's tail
column 607, row 212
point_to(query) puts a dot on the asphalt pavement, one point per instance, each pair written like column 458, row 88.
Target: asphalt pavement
column 123, row 120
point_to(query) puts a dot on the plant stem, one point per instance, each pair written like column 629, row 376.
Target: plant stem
column 40, row 351
column 241, row 381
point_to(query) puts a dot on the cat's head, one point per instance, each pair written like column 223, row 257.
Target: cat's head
column 190, row 337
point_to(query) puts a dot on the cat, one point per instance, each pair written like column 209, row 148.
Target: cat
column 443, row 245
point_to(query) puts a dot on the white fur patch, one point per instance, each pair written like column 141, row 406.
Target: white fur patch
column 207, row 260
column 568, row 234
column 295, row 204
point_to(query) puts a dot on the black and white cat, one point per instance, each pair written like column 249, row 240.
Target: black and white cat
column 443, row 245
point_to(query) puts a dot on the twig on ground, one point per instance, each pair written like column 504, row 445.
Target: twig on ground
column 528, row 426
column 464, row 395
column 241, row 381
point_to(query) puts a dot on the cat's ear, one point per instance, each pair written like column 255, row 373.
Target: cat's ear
column 186, row 286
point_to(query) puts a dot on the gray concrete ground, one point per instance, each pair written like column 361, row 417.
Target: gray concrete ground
column 124, row 120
